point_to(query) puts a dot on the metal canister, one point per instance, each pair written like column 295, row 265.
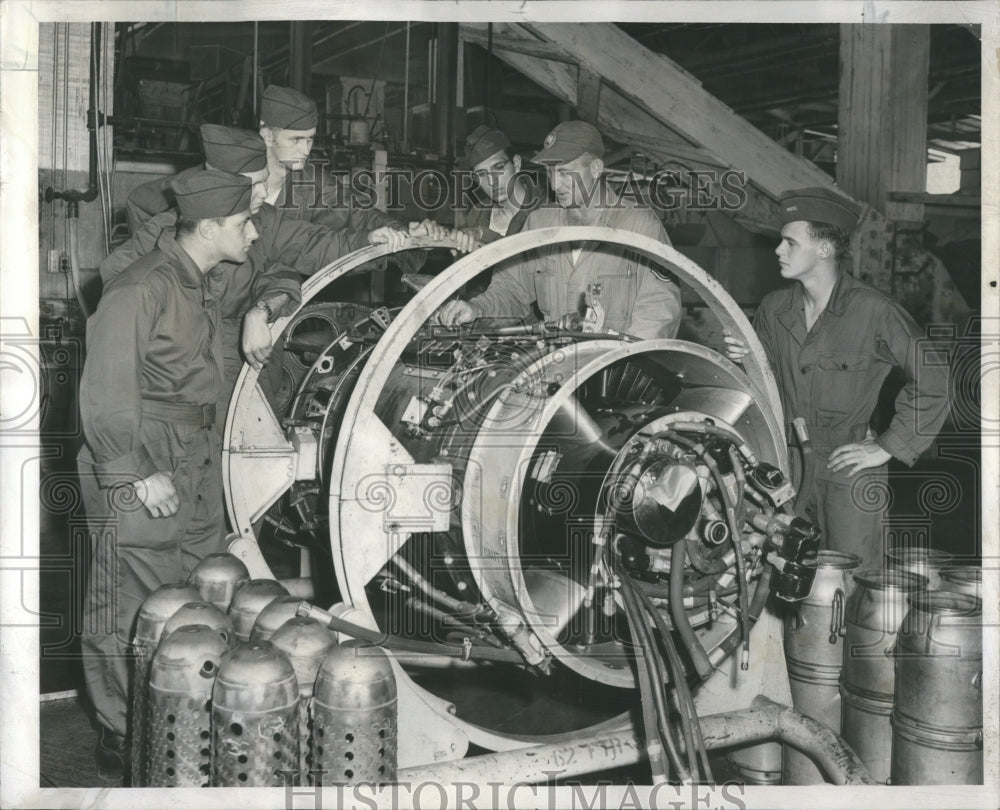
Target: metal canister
column 967, row 579
column 875, row 610
column 249, row 601
column 306, row 642
column 274, row 615
column 180, row 690
column 814, row 651
column 159, row 606
column 927, row 562
column 218, row 576
column 354, row 715
column 204, row 614
column 254, row 718
column 938, row 716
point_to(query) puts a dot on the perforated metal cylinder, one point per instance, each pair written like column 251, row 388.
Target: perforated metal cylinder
column 203, row 614
column 249, row 601
column 217, row 578
column 274, row 615
column 814, row 651
column 181, row 677
column 159, row 606
column 306, row 642
column 354, row 716
column 254, row 718
column 938, row 714
column 927, row 562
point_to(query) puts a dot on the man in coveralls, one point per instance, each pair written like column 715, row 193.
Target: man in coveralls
column 831, row 341
column 636, row 298
column 267, row 284
column 149, row 468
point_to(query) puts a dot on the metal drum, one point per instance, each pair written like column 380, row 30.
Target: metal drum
column 204, row 614
column 218, row 576
column 354, row 716
column 249, row 601
column 938, row 717
column 254, row 718
column 180, row 689
column 965, row 579
column 159, row 606
column 814, row 650
column 306, row 642
column 875, row 610
column 274, row 615
column 927, row 562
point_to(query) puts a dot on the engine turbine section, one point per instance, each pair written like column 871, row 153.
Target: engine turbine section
column 534, row 499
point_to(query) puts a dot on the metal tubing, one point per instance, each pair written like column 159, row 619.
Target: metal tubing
column 766, row 720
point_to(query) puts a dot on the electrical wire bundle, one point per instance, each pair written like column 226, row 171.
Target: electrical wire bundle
column 659, row 665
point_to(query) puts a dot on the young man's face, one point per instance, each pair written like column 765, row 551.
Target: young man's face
column 494, row 175
column 289, row 147
column 258, row 189
column 572, row 180
column 234, row 235
column 799, row 251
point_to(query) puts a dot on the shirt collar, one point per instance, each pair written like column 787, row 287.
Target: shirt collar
column 188, row 272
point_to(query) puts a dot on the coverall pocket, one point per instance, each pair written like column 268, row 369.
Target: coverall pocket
column 547, row 293
column 841, row 374
column 617, row 298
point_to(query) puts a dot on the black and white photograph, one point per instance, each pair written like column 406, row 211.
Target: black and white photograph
column 494, row 404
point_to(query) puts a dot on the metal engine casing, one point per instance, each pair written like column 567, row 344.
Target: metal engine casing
column 181, row 678
column 355, row 716
column 254, row 718
column 204, row 614
column 306, row 642
column 249, row 601
column 217, row 577
column 273, row 616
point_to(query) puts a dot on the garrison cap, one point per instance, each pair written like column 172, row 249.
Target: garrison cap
column 233, row 150
column 209, row 194
column 568, row 141
column 819, row 204
column 483, row 143
column 285, row 108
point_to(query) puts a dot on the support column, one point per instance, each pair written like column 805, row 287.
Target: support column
column 446, row 61
column 882, row 144
column 300, row 64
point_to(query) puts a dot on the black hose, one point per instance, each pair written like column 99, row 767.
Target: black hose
column 643, row 639
column 697, row 652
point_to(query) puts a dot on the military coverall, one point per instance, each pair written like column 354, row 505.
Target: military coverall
column 831, row 375
column 637, row 299
column 284, row 243
column 152, row 376
column 478, row 218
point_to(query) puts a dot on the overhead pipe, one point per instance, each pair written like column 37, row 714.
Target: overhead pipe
column 615, row 748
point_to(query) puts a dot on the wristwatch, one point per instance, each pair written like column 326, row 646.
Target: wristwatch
column 262, row 304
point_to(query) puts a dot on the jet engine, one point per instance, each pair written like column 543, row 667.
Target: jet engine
column 528, row 508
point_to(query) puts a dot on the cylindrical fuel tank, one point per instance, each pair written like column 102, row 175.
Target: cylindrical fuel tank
column 254, row 718
column 159, row 606
column 965, row 579
column 875, row 611
column 927, row 562
column 938, row 716
column 180, row 690
column 204, row 614
column 218, row 576
column 274, row 615
column 249, row 601
column 306, row 642
column 354, row 715
column 814, row 650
